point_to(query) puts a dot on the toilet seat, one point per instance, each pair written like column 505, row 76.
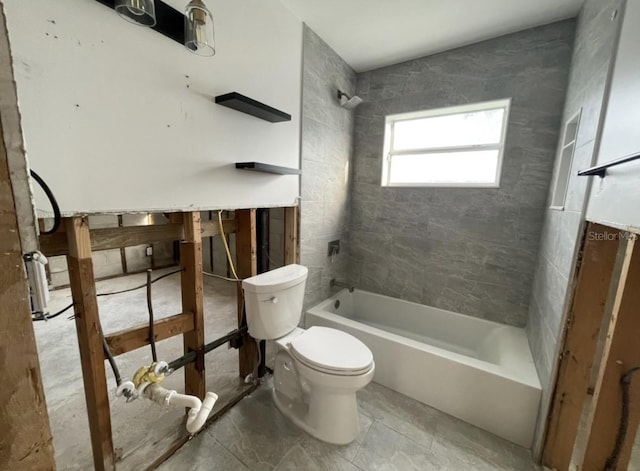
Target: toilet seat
column 332, row 351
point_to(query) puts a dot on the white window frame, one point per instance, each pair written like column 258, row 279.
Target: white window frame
column 387, row 155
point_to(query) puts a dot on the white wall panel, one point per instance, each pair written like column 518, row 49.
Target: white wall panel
column 117, row 117
column 615, row 199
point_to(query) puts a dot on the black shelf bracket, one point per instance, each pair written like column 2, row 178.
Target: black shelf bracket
column 244, row 104
column 601, row 170
column 267, row 168
column 169, row 21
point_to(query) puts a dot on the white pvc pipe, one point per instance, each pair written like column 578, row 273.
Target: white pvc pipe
column 177, row 399
column 196, row 420
column 198, row 411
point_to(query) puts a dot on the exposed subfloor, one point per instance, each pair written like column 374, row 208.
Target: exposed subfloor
column 397, row 432
column 141, row 429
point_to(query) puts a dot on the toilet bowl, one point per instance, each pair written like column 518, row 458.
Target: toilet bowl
column 317, row 371
column 316, row 376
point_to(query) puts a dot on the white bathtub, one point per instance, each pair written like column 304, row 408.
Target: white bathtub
column 479, row 371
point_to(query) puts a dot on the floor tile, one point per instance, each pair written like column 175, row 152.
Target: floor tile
column 317, row 448
column 256, row 434
column 400, row 413
column 386, row 449
column 476, row 448
column 311, row 456
column 202, row 453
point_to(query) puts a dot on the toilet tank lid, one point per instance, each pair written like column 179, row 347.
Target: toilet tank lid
column 275, row 280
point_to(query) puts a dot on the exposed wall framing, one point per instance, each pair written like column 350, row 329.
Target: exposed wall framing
column 601, row 281
column 25, row 435
column 77, row 241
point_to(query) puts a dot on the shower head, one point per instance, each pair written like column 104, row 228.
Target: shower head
column 348, row 102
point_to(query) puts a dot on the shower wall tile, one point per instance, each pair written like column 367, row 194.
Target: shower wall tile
column 562, row 230
column 327, row 134
column 468, row 250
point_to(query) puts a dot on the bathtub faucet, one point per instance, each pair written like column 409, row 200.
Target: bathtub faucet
column 340, row 284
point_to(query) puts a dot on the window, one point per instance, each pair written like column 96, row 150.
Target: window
column 460, row 146
column 565, row 161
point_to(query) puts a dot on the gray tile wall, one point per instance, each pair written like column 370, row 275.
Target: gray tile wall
column 327, row 131
column 468, row 250
column 593, row 50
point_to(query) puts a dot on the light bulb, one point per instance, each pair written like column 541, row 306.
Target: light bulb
column 139, row 12
column 198, row 29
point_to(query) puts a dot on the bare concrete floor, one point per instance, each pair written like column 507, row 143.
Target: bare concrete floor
column 397, row 432
column 141, row 429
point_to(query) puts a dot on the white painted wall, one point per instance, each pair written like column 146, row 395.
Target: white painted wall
column 119, row 118
column 615, row 199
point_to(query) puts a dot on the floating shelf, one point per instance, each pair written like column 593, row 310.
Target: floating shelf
column 267, row 168
column 238, row 102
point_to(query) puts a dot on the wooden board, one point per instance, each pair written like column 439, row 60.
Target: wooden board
column 580, row 343
column 129, row 236
column 229, row 396
column 25, row 435
column 89, row 330
column 621, row 353
column 136, row 337
column 246, row 266
column 291, row 249
column 193, row 301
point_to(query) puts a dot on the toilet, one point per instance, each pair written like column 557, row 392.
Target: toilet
column 317, row 371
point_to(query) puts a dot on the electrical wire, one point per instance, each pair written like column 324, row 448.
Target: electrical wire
column 233, row 270
column 625, row 383
column 53, row 315
column 112, row 361
column 108, row 294
column 256, row 369
column 52, row 199
column 226, row 246
column 152, row 335
column 220, row 277
column 140, row 286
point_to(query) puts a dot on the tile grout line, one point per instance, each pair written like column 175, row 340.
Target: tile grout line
column 360, row 445
column 229, row 451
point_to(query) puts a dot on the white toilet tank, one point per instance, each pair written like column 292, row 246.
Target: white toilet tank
column 273, row 301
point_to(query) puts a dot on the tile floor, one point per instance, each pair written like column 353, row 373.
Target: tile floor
column 398, row 433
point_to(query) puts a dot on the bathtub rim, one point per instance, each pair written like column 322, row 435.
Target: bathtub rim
column 531, row 380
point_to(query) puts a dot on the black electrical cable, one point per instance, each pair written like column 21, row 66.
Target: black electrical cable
column 112, row 361
column 108, row 294
column 140, row 286
column 152, row 336
column 625, row 383
column 52, row 200
column 53, row 315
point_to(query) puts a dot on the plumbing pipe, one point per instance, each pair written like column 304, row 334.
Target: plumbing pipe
column 340, row 284
column 191, row 356
column 198, row 411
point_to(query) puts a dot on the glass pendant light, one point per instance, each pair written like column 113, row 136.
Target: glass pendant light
column 198, row 29
column 139, row 12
